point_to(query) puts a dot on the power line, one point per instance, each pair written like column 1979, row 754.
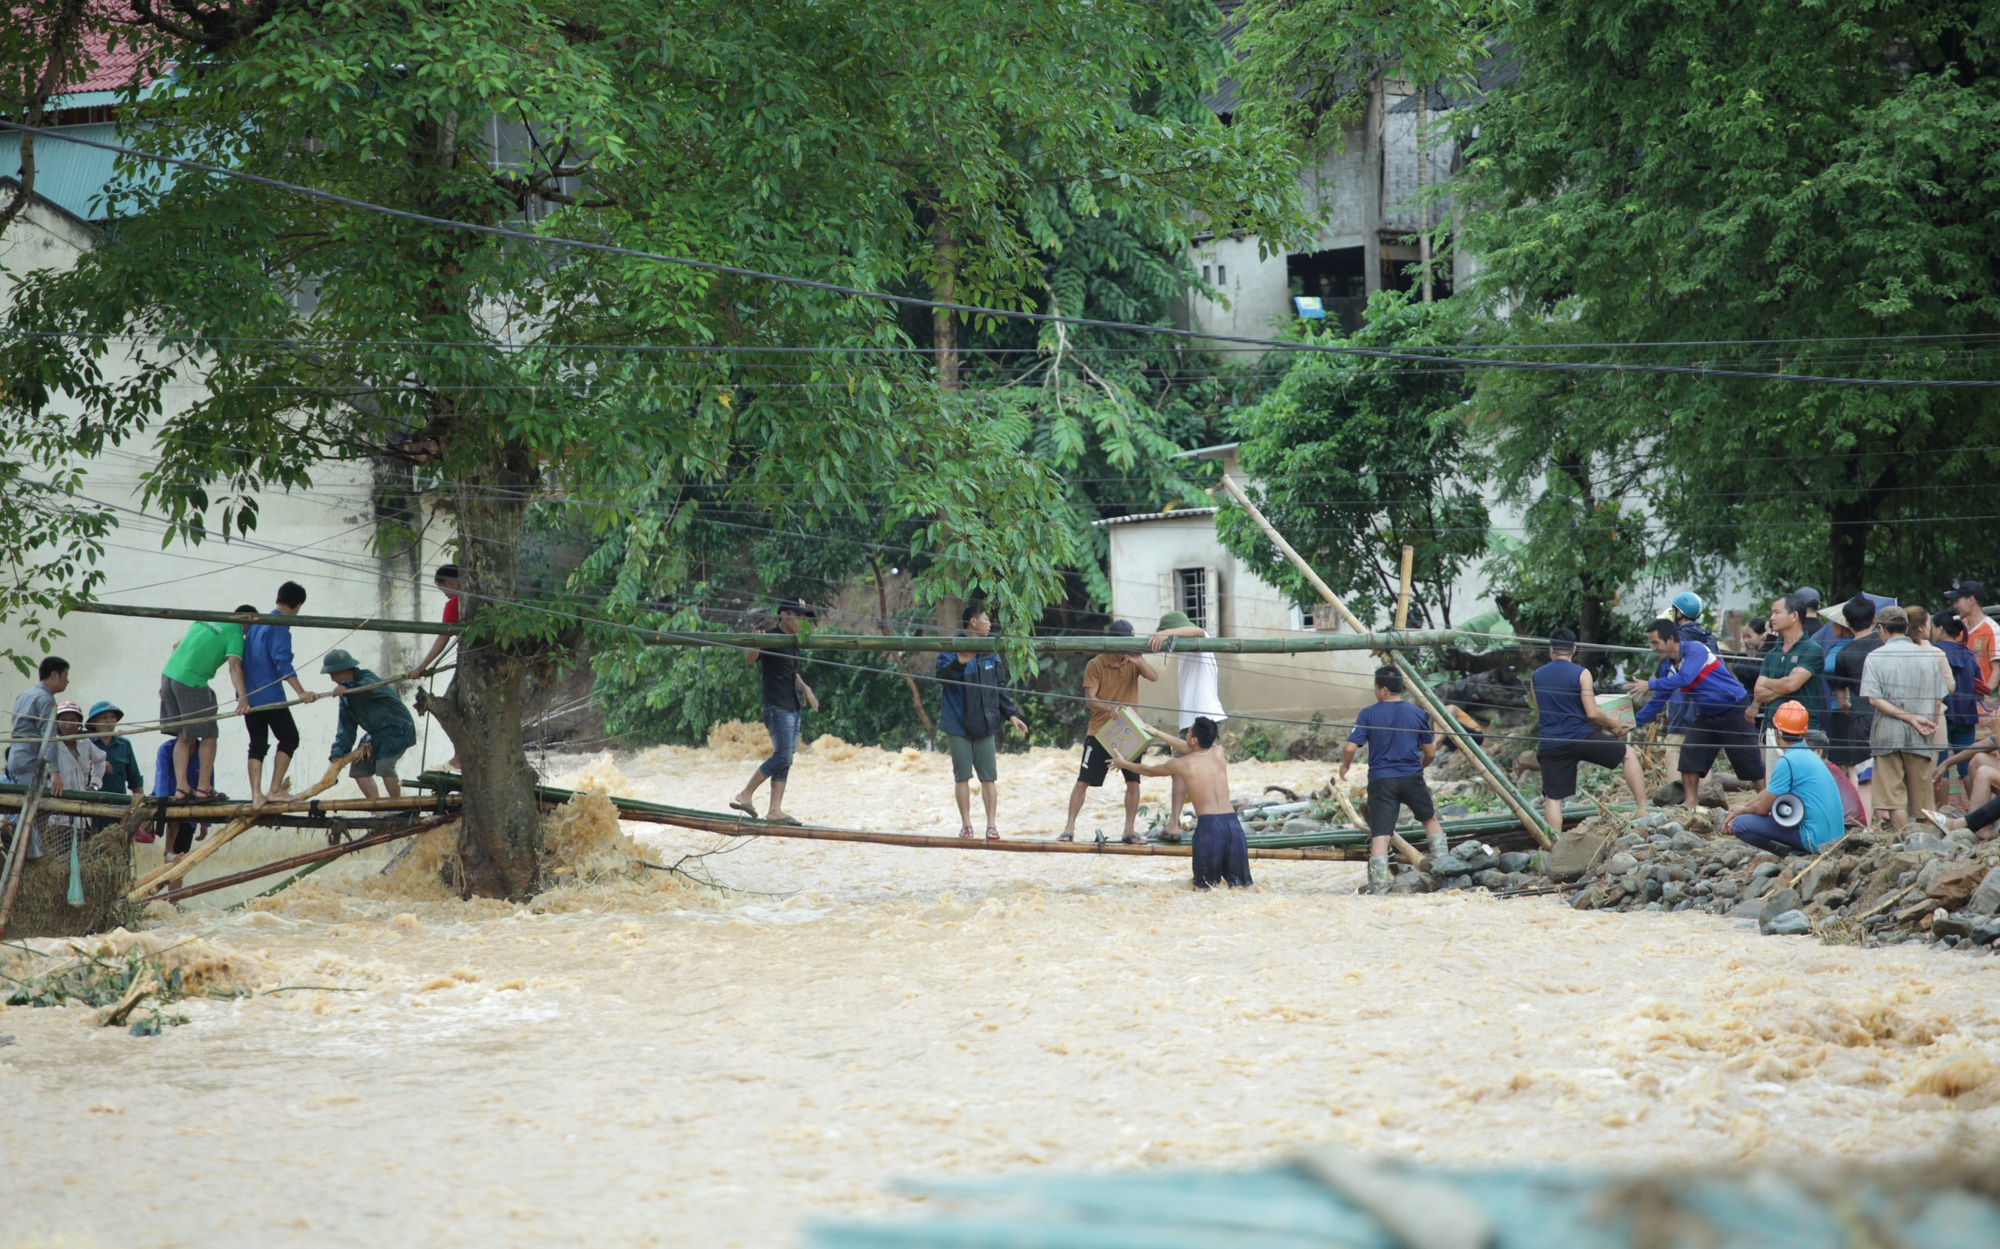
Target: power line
column 974, row 310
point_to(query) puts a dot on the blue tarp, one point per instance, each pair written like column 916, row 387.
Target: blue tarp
column 1286, row 1208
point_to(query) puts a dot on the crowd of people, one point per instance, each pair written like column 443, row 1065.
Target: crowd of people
column 88, row 752
column 1861, row 716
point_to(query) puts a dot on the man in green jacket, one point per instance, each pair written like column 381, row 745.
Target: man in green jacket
column 378, row 712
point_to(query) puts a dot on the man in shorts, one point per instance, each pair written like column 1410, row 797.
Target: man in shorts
column 267, row 669
column 1400, row 746
column 379, row 712
column 1110, row 684
column 187, row 704
column 975, row 705
column 1221, row 852
column 1571, row 729
column 1198, row 672
column 1716, row 720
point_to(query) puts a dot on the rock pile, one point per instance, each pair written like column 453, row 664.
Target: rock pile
column 1874, row 886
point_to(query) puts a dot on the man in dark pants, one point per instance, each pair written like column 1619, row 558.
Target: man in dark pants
column 1400, row 746
column 267, row 667
column 1717, row 722
column 1570, row 729
column 782, row 687
column 1803, row 774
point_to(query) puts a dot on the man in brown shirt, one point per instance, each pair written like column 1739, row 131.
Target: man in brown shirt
column 1110, row 683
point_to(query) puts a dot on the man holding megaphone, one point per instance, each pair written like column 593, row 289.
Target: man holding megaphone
column 1799, row 809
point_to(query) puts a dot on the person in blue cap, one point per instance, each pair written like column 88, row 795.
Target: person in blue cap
column 1686, row 609
column 379, row 712
column 121, row 766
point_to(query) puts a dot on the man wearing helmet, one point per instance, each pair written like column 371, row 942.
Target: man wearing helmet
column 1798, row 773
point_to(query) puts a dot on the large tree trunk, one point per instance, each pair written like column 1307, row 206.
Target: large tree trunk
column 501, row 835
column 944, row 289
column 1592, row 593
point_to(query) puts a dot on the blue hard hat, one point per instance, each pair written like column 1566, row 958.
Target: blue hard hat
column 100, row 707
column 1688, row 604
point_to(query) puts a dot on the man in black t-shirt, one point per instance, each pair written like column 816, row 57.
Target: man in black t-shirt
column 782, row 687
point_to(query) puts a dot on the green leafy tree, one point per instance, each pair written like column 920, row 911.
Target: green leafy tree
column 1354, row 457
column 822, row 145
column 1783, row 188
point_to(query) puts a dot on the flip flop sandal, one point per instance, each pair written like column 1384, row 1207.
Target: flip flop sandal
column 744, row 807
column 789, row 821
column 1066, row 837
column 1135, row 839
column 966, row 832
column 992, row 833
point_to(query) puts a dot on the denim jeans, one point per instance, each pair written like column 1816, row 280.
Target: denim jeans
column 784, row 726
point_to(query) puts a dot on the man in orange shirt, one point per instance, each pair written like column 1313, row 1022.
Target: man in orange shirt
column 1982, row 638
column 1110, row 684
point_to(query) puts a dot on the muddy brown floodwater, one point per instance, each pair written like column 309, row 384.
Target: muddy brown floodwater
column 657, row 1063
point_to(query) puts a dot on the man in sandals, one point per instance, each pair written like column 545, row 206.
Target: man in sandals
column 1110, row 684
column 1221, row 853
column 976, row 704
column 782, row 687
column 187, row 704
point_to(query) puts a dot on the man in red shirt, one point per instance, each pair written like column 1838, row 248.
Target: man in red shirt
column 447, row 581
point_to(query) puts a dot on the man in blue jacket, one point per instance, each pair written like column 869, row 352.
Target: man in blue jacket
column 976, row 704
column 1715, row 697
column 267, row 667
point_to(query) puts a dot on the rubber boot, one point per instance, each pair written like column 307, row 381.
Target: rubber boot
column 1439, row 846
column 1378, row 874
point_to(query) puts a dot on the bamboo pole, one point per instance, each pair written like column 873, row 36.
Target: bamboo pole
column 1095, row 645
column 1493, row 775
column 808, row 832
column 1403, row 576
column 226, row 810
column 167, row 873
column 310, row 858
column 24, row 828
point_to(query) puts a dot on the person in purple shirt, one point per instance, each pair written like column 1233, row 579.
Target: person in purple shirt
column 1715, row 723
column 267, row 666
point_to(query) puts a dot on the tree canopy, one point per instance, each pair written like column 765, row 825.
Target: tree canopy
column 504, row 375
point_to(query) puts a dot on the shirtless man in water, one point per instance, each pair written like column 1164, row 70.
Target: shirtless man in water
column 1221, row 856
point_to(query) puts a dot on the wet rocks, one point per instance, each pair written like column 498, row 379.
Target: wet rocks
column 1792, row 923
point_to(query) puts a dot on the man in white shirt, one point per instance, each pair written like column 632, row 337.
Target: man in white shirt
column 1197, row 672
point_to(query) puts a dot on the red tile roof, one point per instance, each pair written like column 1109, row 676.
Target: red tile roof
column 114, row 68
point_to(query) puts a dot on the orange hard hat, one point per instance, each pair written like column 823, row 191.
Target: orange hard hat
column 1791, row 719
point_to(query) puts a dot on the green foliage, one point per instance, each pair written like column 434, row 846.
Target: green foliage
column 1750, row 178
column 1355, row 457
column 1307, row 63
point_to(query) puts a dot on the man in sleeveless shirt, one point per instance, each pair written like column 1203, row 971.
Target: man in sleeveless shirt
column 1572, row 729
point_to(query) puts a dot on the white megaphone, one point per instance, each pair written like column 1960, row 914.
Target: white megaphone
column 1788, row 811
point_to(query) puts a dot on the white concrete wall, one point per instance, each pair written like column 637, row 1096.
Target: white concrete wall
column 320, row 538
column 1286, row 686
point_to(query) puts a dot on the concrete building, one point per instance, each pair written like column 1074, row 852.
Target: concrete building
column 1172, row 561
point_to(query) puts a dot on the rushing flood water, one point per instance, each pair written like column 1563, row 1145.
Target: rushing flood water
column 656, row 1063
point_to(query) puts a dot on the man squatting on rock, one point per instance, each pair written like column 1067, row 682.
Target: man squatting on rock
column 1716, row 720
column 1798, row 771
column 1221, row 853
column 1400, row 746
column 1571, row 729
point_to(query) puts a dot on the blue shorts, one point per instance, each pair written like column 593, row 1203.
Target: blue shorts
column 1958, row 737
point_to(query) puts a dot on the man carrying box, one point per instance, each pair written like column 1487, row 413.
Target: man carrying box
column 1110, row 684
